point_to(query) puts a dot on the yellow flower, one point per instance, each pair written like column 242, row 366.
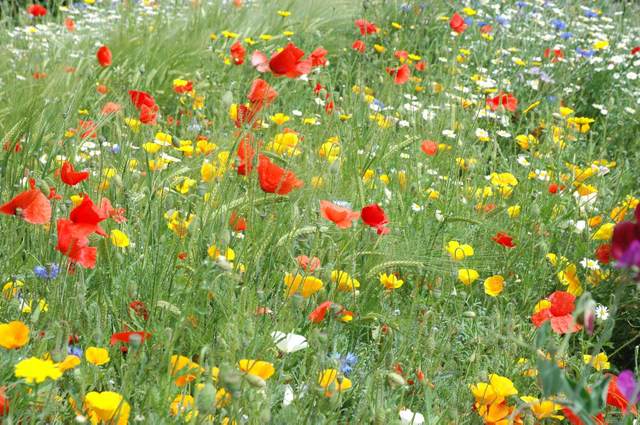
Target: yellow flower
column 285, row 143
column 13, row 335
column 97, row 356
column 37, row 370
column 184, row 370
column 542, row 409
column 331, row 381
column 284, row 13
column 279, row 118
column 467, row 276
column 119, row 239
column 345, row 282
column 604, row 233
column 306, row 286
column 185, row 185
column 177, row 224
column 600, row 44
column 514, row 211
column 108, row 407
column 330, row 149
column 390, row 281
column 599, row 362
column 569, row 277
column 379, row 48
column 68, row 363
column 11, row 288
column 459, row 251
column 229, row 34
column 494, row 285
column 183, row 405
column 257, row 368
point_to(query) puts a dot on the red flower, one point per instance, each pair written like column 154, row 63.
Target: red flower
column 374, row 216
column 366, row 27
column 237, row 223
column 359, row 46
column 289, row 62
column 4, row 402
column 104, row 56
column 70, row 176
column 560, row 313
column 400, row 75
column 246, row 152
column 603, row 253
column 37, row 10
column 504, row 240
column 457, row 24
column 129, row 337
column 75, row 245
column 342, row 217
column 260, row 61
column 146, row 104
column 485, row 29
column 635, row 50
column 274, row 179
column 186, row 88
column 140, row 309
column 558, row 54
column 87, row 217
column 553, row 188
column 401, row 55
column 31, row 205
column 117, row 214
column 318, row 57
column 261, row 93
column 308, row 264
column 420, row 66
column 320, row 312
column 429, row 147
column 237, row 53
column 70, row 24
column 575, row 420
column 506, row 100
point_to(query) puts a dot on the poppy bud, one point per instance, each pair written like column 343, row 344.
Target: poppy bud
column 395, row 380
column 255, row 381
column 470, row 314
column 231, row 378
column 587, row 308
column 206, row 400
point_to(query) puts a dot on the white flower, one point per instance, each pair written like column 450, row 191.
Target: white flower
column 407, row 417
column 289, row 343
column 439, row 216
column 522, row 160
column 590, row 264
column 288, row 397
column 417, row 208
column 449, row 133
column 602, row 312
column 428, row 115
column 503, row 133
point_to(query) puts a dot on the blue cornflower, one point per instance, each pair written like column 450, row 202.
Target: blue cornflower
column 590, row 14
column 558, row 25
column 566, row 35
column 49, row 272
column 346, row 362
column 74, row 351
column 116, row 149
column 522, row 4
column 585, row 53
column 502, row 20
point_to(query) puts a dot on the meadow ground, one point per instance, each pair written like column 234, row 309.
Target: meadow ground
column 320, row 212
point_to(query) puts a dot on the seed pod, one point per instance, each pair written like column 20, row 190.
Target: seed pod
column 255, row 381
column 395, row 380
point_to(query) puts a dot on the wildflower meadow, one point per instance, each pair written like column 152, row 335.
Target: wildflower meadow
column 319, row 212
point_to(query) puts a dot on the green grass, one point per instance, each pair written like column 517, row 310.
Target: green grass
column 456, row 335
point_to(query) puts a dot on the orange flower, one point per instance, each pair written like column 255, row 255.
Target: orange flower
column 274, row 179
column 13, row 335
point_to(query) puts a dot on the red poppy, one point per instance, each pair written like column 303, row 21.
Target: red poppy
column 308, row 264
column 429, row 147
column 185, row 88
column 140, row 309
column 70, row 176
column 506, row 100
column 274, row 179
column 457, row 24
column 110, row 108
column 359, row 46
column 366, row 27
column 4, row 402
column 104, row 56
column 73, row 243
column 237, row 53
column 31, row 205
column 616, row 399
column 129, row 337
column 116, row 214
column 400, row 75
column 260, row 61
column 503, row 239
column 603, row 253
column 374, row 216
column 635, row 50
column 342, row 217
column 87, row 218
column 261, row 93
column 553, row 188
column 420, row 66
column 37, row 10
column 555, row 54
column 11, row 146
column 289, row 62
column 69, row 24
column 53, row 195
column 401, row 55
column 318, row 57
column 140, row 98
column 320, row 312
column 486, row 29
column 575, row 419
column 237, row 223
column 560, row 313
column 246, row 152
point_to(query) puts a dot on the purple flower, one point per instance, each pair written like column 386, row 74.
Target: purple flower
column 628, row 386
